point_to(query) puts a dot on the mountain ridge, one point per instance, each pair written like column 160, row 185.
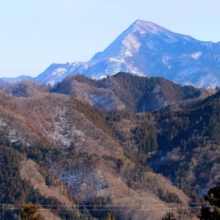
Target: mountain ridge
column 125, row 91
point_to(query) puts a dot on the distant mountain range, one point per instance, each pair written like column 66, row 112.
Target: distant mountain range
column 147, row 49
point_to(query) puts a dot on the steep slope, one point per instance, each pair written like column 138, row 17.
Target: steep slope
column 16, row 189
column 188, row 145
column 147, row 49
column 77, row 144
column 88, row 91
column 131, row 93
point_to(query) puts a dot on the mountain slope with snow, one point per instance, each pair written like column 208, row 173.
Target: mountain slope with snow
column 147, row 49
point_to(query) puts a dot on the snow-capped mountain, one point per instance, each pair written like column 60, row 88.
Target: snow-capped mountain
column 146, row 49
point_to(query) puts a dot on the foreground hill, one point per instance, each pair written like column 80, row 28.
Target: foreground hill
column 147, row 49
column 58, row 139
column 188, row 145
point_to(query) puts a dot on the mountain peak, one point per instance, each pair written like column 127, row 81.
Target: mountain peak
column 129, row 41
column 147, row 26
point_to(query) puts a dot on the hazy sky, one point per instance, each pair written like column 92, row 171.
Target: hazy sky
column 36, row 33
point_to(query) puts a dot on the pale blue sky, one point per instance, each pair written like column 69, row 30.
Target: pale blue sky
column 35, row 33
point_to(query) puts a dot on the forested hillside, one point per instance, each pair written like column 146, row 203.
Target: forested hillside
column 131, row 93
column 80, row 146
column 188, row 142
column 17, row 190
column 66, row 152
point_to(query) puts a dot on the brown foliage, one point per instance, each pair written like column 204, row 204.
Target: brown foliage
column 109, row 217
column 29, row 212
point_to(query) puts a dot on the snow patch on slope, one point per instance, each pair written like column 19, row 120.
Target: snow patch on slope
column 131, row 43
column 165, row 60
column 196, row 55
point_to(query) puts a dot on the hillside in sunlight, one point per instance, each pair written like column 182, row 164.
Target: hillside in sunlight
column 71, row 151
